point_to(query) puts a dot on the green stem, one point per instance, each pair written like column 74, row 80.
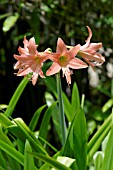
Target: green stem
column 61, row 109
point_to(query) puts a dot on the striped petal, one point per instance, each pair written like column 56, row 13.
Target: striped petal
column 55, row 68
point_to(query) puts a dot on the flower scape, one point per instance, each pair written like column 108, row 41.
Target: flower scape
column 30, row 60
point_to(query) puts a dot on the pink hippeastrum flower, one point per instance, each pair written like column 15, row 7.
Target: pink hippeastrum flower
column 65, row 59
column 30, row 60
column 89, row 52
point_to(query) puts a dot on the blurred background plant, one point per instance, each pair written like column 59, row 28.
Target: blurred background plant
column 46, row 21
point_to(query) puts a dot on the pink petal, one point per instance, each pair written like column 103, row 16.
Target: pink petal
column 16, row 66
column 32, row 46
column 97, row 57
column 23, row 57
column 73, row 51
column 41, row 74
column 24, row 71
column 23, row 50
column 95, row 46
column 88, row 39
column 61, row 47
column 51, row 56
column 67, row 72
column 76, row 63
column 55, row 68
column 92, row 48
column 25, row 42
column 34, row 78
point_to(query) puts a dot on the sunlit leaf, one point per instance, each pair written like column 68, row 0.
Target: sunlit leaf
column 9, row 22
column 3, row 106
column 64, row 160
column 98, row 159
column 107, row 105
column 51, row 161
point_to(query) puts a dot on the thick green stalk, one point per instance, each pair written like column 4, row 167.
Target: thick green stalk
column 61, row 109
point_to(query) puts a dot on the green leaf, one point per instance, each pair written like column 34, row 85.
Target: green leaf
column 28, row 134
column 104, row 90
column 1, row 168
column 12, row 152
column 48, row 144
column 45, row 167
column 9, row 22
column 3, row 106
column 49, row 99
column 19, row 129
column 56, row 122
column 98, row 137
column 64, row 160
column 4, row 15
column 67, row 107
column 108, row 159
column 13, row 164
column 2, row 160
column 16, row 97
column 5, row 121
column 50, row 82
column 107, row 105
column 45, row 121
column 20, row 145
column 63, row 127
column 75, row 100
column 51, row 161
column 98, row 159
column 80, row 139
column 35, row 118
column 76, row 146
column 55, row 114
column 68, row 147
column 28, row 158
column 5, row 139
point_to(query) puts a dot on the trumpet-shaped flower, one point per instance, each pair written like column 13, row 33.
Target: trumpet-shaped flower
column 89, row 52
column 30, row 60
column 64, row 59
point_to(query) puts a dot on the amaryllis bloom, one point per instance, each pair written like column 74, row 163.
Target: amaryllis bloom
column 89, row 52
column 30, row 60
column 64, row 59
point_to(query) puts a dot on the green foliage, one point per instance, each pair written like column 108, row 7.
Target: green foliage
column 9, row 22
column 21, row 144
column 28, row 160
